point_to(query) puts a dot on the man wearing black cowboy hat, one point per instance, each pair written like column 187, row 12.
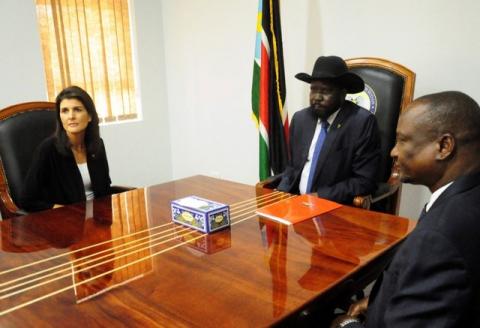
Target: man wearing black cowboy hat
column 334, row 144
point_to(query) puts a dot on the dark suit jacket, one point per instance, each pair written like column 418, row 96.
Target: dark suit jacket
column 54, row 178
column 434, row 278
column 350, row 157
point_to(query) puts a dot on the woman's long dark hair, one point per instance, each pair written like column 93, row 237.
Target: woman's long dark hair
column 92, row 132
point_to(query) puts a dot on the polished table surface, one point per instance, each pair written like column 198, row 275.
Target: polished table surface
column 123, row 262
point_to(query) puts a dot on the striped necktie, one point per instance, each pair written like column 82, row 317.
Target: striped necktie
column 316, row 153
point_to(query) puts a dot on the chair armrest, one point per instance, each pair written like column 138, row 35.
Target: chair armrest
column 384, row 190
column 362, row 201
column 387, row 189
column 119, row 189
column 270, row 182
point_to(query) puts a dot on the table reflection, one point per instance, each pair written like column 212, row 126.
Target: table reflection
column 274, row 239
column 205, row 243
column 346, row 241
column 89, row 250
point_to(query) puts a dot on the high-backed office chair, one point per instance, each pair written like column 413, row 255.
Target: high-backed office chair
column 22, row 128
column 388, row 90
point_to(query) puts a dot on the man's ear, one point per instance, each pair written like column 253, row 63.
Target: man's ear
column 445, row 146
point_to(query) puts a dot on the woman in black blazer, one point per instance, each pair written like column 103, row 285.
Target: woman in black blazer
column 70, row 166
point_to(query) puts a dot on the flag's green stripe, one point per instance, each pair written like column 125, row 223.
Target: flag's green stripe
column 264, row 165
column 256, row 90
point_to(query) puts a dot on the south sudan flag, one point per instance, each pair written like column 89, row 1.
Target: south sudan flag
column 268, row 91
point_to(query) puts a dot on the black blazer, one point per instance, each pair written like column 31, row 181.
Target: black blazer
column 54, row 178
column 434, row 278
column 350, row 157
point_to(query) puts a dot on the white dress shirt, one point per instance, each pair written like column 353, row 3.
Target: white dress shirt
column 435, row 195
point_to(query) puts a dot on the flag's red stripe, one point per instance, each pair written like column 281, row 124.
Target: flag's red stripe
column 264, row 93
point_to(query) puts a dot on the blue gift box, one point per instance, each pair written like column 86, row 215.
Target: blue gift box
column 201, row 214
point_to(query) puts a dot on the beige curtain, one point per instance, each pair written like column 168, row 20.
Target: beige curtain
column 87, row 43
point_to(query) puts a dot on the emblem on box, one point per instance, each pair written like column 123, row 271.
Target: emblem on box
column 201, row 214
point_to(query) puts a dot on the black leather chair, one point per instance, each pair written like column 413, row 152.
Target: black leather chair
column 22, row 128
column 388, row 90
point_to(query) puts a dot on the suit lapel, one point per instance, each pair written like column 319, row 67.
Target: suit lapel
column 460, row 185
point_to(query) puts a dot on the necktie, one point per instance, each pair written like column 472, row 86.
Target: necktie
column 316, row 154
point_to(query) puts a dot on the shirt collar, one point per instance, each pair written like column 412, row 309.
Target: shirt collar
column 435, row 195
column 331, row 118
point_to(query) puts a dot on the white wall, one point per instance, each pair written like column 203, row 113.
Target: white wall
column 22, row 77
column 209, row 58
column 139, row 152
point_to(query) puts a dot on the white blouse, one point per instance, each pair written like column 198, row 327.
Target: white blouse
column 87, row 183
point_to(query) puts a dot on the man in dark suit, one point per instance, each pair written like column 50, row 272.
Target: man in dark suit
column 434, row 278
column 334, row 144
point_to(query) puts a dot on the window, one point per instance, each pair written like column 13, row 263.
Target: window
column 87, row 43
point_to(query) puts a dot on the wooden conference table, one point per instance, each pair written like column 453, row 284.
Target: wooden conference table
column 126, row 264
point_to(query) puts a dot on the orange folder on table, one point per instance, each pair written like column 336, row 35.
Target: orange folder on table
column 297, row 209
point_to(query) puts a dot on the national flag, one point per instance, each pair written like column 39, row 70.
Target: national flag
column 268, row 91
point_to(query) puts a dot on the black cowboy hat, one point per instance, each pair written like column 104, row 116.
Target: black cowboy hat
column 334, row 68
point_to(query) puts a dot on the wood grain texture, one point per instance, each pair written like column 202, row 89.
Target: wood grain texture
column 131, row 266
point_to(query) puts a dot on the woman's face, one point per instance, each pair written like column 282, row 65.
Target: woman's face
column 74, row 116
